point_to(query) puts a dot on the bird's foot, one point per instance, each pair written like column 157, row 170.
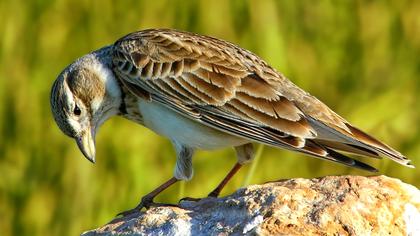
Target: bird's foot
column 215, row 193
column 146, row 202
column 190, row 199
column 193, row 199
column 129, row 212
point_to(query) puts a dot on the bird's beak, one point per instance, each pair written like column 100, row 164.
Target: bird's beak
column 86, row 143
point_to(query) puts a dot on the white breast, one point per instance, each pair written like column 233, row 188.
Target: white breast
column 169, row 123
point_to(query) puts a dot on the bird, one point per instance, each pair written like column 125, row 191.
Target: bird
column 202, row 93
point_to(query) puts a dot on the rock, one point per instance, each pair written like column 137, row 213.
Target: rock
column 334, row 205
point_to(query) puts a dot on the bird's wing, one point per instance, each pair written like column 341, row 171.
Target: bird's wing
column 231, row 89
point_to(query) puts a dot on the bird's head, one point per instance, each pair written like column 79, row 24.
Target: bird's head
column 84, row 96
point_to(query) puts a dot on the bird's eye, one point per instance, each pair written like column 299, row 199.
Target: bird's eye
column 77, row 110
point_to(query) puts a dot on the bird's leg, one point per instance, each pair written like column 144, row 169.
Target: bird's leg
column 245, row 154
column 183, row 171
column 147, row 200
column 218, row 189
column 232, row 172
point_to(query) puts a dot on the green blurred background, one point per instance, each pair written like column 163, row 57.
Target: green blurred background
column 362, row 58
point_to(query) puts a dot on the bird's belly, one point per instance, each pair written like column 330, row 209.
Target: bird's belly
column 176, row 127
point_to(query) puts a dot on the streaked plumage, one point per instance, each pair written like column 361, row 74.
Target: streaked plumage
column 206, row 93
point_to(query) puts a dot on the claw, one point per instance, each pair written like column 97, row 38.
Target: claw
column 214, row 194
column 191, row 199
column 128, row 212
column 145, row 202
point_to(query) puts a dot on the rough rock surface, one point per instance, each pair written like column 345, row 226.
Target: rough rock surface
column 335, row 205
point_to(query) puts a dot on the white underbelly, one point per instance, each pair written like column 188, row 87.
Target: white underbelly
column 176, row 127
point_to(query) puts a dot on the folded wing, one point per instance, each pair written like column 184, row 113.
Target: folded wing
column 228, row 88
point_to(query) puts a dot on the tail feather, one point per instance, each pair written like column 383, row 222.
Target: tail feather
column 320, row 151
column 354, row 141
column 377, row 146
column 349, row 161
column 349, row 148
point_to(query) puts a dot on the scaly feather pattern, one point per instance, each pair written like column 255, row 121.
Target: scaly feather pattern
column 231, row 89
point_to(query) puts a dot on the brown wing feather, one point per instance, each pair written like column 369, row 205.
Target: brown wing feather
column 228, row 81
column 204, row 71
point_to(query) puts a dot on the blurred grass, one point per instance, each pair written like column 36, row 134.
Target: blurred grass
column 359, row 57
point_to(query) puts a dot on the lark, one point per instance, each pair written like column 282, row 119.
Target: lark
column 201, row 93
